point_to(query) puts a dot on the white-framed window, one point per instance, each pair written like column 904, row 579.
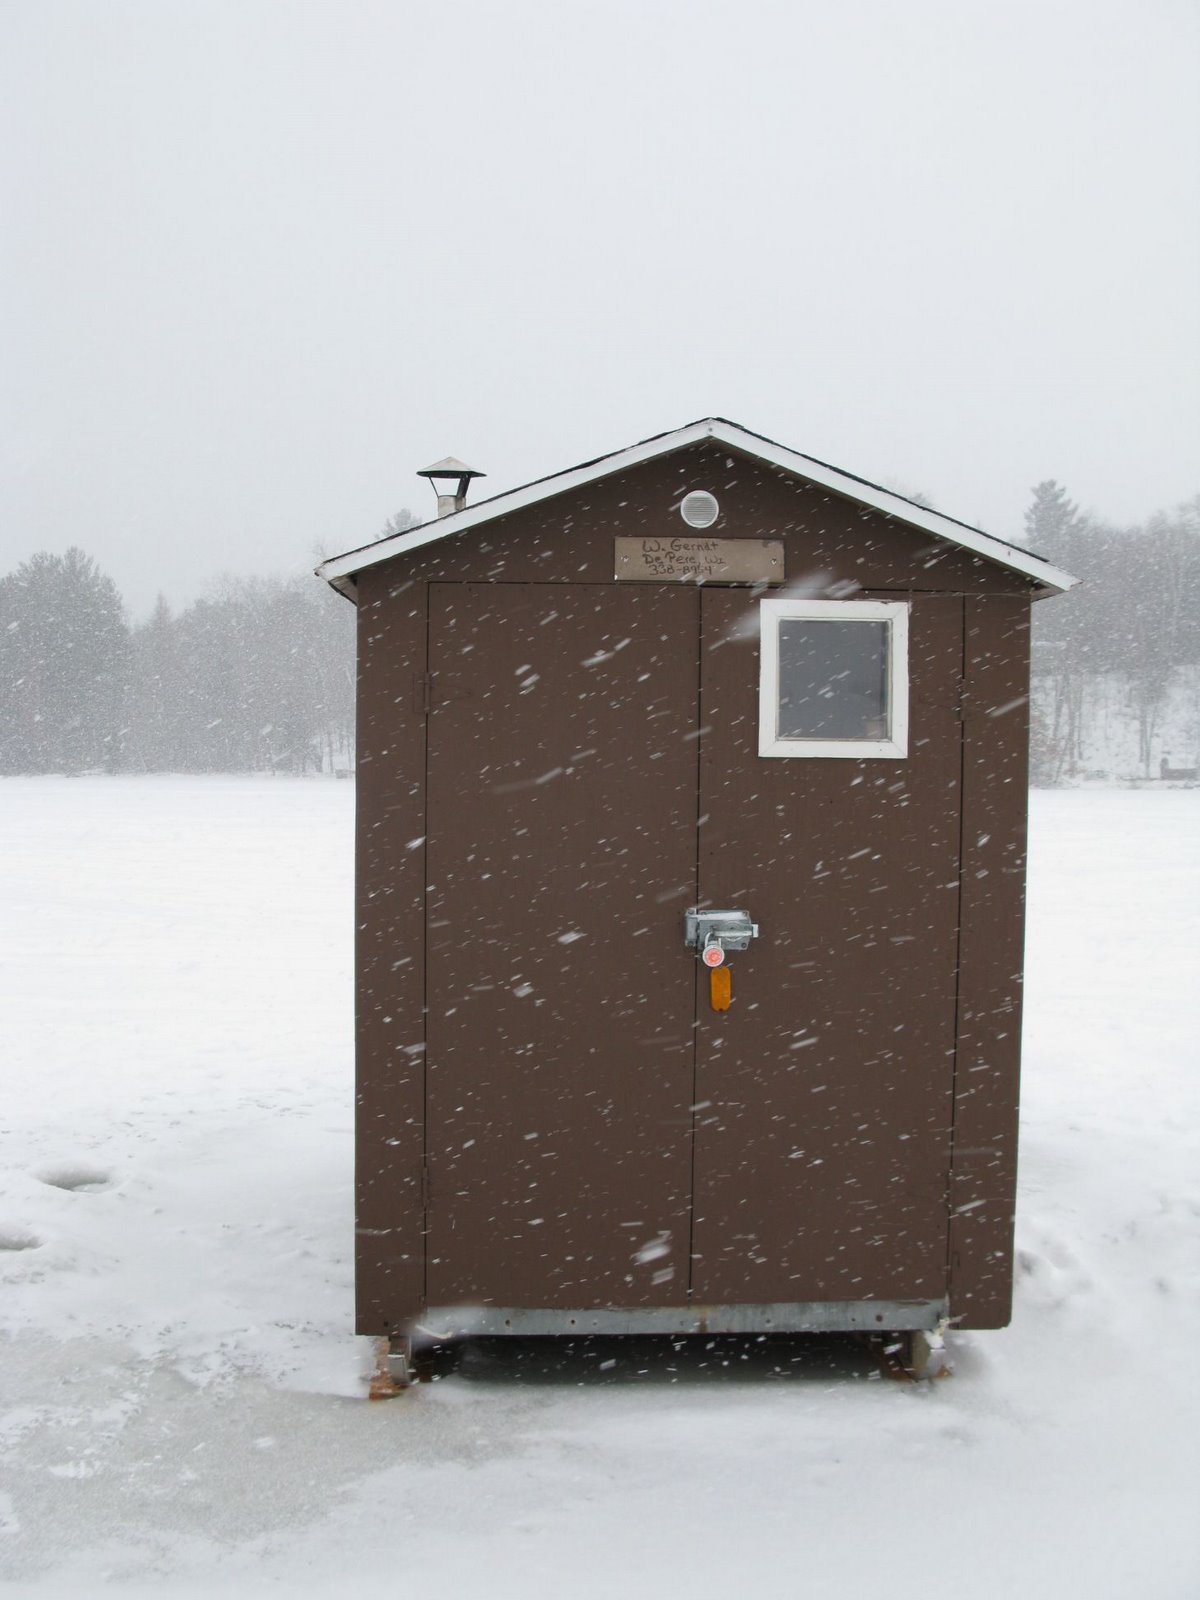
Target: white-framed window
column 833, row 678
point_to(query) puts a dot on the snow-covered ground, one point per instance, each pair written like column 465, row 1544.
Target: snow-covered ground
column 180, row 1393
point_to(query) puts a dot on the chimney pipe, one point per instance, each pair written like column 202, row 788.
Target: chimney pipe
column 451, row 470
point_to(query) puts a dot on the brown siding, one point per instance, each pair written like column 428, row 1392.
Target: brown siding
column 995, row 803
column 827, row 538
column 389, row 938
column 823, row 1149
column 562, row 850
column 828, row 541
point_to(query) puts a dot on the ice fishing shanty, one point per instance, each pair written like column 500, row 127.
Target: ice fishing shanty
column 690, row 884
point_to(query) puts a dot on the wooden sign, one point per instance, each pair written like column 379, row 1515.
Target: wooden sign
column 668, row 559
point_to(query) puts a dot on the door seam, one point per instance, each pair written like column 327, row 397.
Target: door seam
column 696, row 986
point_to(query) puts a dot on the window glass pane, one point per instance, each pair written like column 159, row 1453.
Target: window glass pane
column 832, row 679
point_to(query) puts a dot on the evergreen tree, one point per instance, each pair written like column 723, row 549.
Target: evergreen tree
column 1051, row 522
column 64, row 666
column 155, row 689
column 399, row 523
column 256, row 677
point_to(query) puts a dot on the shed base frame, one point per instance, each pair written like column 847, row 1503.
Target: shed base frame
column 443, row 1323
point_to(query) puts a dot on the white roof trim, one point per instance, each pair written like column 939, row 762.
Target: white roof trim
column 340, row 569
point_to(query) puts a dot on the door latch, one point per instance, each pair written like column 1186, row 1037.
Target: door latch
column 712, row 933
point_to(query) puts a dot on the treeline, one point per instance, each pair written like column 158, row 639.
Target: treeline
column 257, row 677
column 1130, row 630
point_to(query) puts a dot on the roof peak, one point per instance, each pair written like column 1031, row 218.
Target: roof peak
column 340, row 570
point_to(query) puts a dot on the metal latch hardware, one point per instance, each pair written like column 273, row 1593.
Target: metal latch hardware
column 712, row 934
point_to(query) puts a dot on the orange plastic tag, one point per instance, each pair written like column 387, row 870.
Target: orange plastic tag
column 720, row 988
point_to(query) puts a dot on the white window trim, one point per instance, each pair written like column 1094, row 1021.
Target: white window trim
column 895, row 614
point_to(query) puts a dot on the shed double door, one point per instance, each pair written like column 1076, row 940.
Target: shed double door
column 597, row 1134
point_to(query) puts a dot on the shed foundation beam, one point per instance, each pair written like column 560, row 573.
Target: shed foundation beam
column 444, row 1323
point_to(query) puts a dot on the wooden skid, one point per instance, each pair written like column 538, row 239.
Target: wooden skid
column 910, row 1357
column 394, row 1371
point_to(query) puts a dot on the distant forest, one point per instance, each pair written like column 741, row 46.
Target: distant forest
column 258, row 676
column 1116, row 662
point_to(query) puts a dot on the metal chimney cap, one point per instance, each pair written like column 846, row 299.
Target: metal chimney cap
column 450, row 467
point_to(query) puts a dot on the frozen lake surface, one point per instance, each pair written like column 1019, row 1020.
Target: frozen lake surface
column 181, row 1394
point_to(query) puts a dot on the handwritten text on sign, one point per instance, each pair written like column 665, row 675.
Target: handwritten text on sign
column 658, row 560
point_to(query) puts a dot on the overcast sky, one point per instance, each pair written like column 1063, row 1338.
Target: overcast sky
column 262, row 259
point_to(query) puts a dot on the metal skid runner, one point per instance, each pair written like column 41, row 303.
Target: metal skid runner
column 905, row 1337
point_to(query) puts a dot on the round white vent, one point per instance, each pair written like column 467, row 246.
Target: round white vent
column 699, row 509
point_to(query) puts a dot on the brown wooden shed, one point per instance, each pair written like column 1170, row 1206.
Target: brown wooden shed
column 704, row 675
